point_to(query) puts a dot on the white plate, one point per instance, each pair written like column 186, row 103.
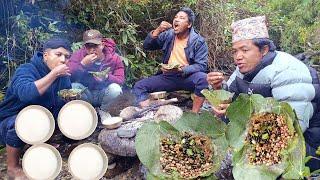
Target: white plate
column 42, row 161
column 34, row 124
column 77, row 119
column 88, row 161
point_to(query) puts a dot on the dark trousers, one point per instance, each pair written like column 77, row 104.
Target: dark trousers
column 8, row 135
column 170, row 82
column 312, row 138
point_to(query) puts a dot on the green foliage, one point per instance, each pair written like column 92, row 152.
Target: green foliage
column 292, row 165
column 205, row 124
column 127, row 22
column 293, row 25
column 23, row 39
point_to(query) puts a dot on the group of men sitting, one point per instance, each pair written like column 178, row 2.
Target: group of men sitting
column 260, row 69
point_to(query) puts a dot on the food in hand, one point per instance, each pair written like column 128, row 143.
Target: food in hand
column 70, row 94
column 100, row 74
column 170, row 66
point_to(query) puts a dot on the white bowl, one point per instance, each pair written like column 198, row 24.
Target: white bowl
column 112, row 122
column 34, row 124
column 42, row 161
column 88, row 162
column 77, row 119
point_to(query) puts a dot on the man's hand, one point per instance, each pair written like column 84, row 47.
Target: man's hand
column 220, row 110
column 215, row 79
column 100, row 79
column 89, row 59
column 179, row 69
column 161, row 28
column 61, row 70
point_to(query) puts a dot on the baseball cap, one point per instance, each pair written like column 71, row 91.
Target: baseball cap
column 92, row 36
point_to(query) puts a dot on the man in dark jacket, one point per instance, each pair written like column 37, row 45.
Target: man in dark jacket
column 34, row 83
column 95, row 57
column 181, row 45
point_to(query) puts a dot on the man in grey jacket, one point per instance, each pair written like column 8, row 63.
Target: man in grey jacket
column 263, row 70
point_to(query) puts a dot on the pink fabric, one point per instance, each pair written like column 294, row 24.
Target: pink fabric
column 111, row 60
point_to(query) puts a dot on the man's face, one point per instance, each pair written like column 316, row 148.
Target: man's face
column 56, row 57
column 181, row 23
column 94, row 49
column 246, row 55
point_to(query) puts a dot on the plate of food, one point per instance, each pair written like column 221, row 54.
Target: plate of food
column 70, row 94
column 100, row 74
column 170, row 66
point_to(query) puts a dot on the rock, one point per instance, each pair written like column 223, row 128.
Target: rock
column 112, row 143
column 128, row 112
column 121, row 141
column 169, row 113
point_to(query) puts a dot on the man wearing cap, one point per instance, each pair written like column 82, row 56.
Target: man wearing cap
column 34, row 83
column 263, row 70
column 96, row 56
column 181, row 45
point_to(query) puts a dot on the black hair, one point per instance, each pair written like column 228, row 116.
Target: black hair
column 190, row 13
column 56, row 43
column 262, row 42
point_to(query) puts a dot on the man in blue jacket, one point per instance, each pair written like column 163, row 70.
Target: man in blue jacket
column 34, row 83
column 263, row 70
column 181, row 45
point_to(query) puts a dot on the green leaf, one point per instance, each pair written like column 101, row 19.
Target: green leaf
column 239, row 112
column 217, row 97
column 204, row 124
column 296, row 159
column 124, row 37
column 189, row 152
column 150, row 134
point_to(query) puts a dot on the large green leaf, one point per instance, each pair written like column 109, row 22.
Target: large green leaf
column 204, row 124
column 296, row 159
column 148, row 143
column 217, row 97
column 239, row 112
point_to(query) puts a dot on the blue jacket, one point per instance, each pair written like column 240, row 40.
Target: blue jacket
column 23, row 92
column 196, row 50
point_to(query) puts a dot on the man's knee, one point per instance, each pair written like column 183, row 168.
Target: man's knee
column 77, row 86
column 200, row 81
column 113, row 90
column 8, row 133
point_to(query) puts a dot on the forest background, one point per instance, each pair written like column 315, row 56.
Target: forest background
column 294, row 25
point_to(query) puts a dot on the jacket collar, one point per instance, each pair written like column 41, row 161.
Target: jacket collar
column 38, row 62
